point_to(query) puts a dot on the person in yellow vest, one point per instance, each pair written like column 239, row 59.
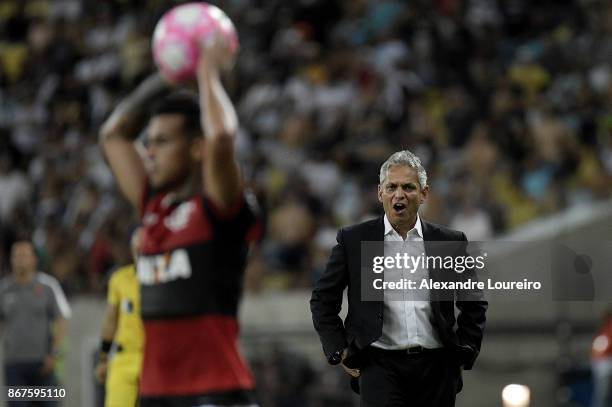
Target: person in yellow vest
column 122, row 336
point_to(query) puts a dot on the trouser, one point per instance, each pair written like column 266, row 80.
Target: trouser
column 122, row 379
column 239, row 398
column 27, row 374
column 396, row 378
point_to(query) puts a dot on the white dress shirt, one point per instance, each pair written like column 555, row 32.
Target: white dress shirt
column 406, row 322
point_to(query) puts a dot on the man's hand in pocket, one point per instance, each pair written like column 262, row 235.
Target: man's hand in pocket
column 351, row 372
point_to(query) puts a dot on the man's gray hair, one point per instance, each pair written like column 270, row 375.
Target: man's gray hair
column 404, row 158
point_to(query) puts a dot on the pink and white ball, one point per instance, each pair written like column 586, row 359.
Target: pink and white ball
column 181, row 32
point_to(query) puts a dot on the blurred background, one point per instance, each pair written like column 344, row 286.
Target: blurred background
column 507, row 102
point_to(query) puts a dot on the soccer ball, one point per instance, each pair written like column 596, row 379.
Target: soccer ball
column 182, row 31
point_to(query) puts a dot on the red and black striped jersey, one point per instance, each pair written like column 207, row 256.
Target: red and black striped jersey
column 190, row 267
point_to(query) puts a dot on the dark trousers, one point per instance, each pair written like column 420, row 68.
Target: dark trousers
column 27, row 374
column 396, row 378
column 228, row 398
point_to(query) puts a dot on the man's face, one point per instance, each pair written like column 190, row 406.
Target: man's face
column 23, row 258
column 401, row 195
column 168, row 150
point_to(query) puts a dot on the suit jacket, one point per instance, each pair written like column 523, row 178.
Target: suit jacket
column 363, row 323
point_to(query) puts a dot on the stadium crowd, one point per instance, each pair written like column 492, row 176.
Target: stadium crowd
column 507, row 102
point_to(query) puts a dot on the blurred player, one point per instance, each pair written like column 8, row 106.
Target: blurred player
column 122, row 332
column 33, row 309
column 196, row 225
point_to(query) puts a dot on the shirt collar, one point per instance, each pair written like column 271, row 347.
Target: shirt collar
column 417, row 226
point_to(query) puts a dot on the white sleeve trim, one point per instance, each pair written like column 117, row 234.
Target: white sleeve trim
column 56, row 288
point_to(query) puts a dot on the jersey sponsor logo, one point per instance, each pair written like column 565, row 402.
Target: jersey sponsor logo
column 162, row 268
column 180, row 216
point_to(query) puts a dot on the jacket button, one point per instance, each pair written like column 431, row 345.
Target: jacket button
column 380, row 316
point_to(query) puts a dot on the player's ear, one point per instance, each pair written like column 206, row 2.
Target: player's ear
column 380, row 191
column 424, row 194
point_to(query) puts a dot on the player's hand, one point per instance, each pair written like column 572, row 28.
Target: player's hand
column 48, row 365
column 100, row 371
column 215, row 52
column 352, row 372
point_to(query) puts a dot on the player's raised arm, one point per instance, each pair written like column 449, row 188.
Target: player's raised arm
column 221, row 175
column 119, row 131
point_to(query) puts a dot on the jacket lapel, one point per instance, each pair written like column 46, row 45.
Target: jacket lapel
column 377, row 232
column 372, row 245
column 429, row 238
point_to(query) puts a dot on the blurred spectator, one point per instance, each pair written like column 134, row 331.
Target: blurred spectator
column 474, row 222
column 510, row 99
column 14, row 188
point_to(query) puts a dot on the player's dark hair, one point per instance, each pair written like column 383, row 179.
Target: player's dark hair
column 22, row 236
column 184, row 103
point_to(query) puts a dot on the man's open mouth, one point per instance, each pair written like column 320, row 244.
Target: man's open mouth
column 399, row 207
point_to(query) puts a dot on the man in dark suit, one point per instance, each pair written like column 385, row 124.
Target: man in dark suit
column 400, row 353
